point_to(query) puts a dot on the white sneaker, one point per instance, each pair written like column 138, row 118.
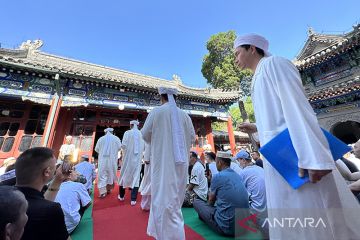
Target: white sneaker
column 133, row 203
column 120, row 198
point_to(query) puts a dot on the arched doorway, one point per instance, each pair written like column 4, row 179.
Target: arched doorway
column 348, row 132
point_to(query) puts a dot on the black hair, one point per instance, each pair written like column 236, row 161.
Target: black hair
column 165, row 96
column 193, row 154
column 211, row 155
column 256, row 152
column 258, row 50
column 227, row 161
column 30, row 163
column 11, row 201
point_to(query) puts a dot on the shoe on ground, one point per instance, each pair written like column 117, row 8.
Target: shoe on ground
column 133, row 203
column 102, row 195
column 120, row 198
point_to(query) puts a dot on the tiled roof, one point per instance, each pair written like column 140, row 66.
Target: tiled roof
column 29, row 56
column 320, row 47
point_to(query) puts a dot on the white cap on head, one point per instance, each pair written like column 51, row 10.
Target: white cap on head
column 109, row 130
column 134, row 122
column 68, row 137
column 178, row 137
column 254, row 40
column 168, row 91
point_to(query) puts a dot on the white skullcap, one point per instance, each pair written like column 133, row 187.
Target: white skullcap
column 166, row 90
column 178, row 138
column 109, row 130
column 222, row 154
column 134, row 122
column 255, row 40
column 68, row 137
column 137, row 136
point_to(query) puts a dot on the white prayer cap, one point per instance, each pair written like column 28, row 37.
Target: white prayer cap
column 167, row 90
column 109, row 130
column 134, row 122
column 68, row 137
column 225, row 155
column 255, row 40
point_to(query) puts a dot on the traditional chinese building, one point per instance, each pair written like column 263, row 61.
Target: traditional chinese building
column 44, row 97
column 330, row 69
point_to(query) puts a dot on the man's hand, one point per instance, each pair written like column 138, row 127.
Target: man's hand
column 248, row 128
column 62, row 174
column 314, row 175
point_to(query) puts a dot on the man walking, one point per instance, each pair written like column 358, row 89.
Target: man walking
column 107, row 147
column 170, row 132
column 133, row 148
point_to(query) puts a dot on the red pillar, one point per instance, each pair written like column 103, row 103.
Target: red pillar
column 51, row 121
column 231, row 135
column 209, row 135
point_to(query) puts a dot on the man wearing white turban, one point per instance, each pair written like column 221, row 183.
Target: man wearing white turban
column 107, row 147
column 67, row 148
column 279, row 103
column 170, row 132
column 133, row 148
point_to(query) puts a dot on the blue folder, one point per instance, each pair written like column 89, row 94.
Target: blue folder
column 281, row 154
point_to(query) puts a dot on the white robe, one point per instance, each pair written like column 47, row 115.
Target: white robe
column 168, row 180
column 279, row 103
column 66, row 149
column 131, row 162
column 145, row 187
column 107, row 147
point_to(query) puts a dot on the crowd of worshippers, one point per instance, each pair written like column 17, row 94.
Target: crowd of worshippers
column 42, row 197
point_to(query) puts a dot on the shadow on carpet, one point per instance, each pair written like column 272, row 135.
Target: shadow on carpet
column 192, row 220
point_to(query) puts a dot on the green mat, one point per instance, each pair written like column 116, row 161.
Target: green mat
column 84, row 231
column 191, row 219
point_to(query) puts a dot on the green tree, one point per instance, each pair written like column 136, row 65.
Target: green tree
column 236, row 115
column 220, row 71
column 218, row 65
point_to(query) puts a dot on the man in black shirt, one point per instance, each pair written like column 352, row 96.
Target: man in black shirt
column 34, row 168
column 256, row 156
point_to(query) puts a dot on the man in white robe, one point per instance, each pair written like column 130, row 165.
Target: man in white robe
column 170, row 132
column 133, row 148
column 66, row 149
column 145, row 186
column 107, row 147
column 279, row 103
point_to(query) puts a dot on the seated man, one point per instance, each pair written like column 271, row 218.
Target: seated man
column 13, row 213
column 34, row 168
column 74, row 199
column 198, row 185
column 86, row 169
column 254, row 180
column 227, row 192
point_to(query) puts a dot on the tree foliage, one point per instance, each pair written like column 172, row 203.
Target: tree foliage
column 218, row 65
column 236, row 115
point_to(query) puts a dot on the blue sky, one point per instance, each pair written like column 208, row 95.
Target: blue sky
column 161, row 38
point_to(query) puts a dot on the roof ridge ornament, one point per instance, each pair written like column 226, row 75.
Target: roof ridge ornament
column 176, row 78
column 311, row 31
column 32, row 45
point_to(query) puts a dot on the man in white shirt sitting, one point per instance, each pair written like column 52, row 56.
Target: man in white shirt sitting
column 253, row 179
column 74, row 199
column 87, row 170
column 198, row 184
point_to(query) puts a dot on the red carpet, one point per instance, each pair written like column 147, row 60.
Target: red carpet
column 119, row 220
